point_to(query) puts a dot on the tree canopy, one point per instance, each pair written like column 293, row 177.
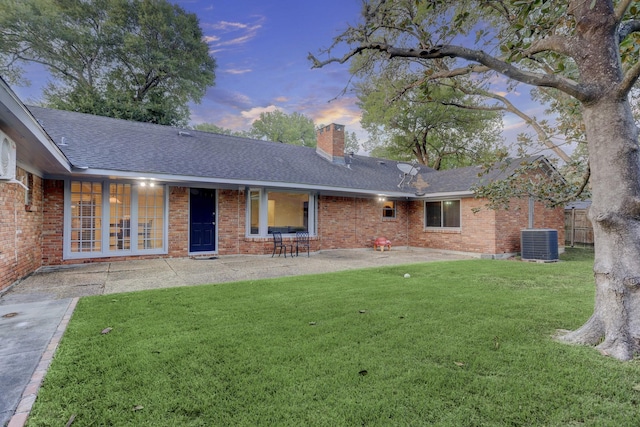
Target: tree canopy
column 213, row 128
column 585, row 50
column 276, row 126
column 351, row 143
column 427, row 125
column 141, row 60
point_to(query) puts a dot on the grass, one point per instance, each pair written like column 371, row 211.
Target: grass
column 464, row 343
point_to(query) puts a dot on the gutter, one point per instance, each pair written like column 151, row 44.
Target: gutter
column 87, row 172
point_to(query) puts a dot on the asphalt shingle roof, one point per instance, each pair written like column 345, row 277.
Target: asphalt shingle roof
column 119, row 145
column 465, row 179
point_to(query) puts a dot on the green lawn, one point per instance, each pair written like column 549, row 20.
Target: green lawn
column 463, row 343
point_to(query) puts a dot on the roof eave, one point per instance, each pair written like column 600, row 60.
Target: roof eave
column 87, row 172
column 39, row 152
column 446, row 195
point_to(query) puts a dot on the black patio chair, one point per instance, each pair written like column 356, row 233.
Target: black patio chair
column 278, row 244
column 302, row 241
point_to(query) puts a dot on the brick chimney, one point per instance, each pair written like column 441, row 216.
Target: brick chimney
column 331, row 143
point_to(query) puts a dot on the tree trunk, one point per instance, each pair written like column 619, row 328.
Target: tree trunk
column 615, row 214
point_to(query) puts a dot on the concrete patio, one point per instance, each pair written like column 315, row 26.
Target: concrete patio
column 51, row 283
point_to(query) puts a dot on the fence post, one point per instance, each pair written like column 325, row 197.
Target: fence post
column 573, row 225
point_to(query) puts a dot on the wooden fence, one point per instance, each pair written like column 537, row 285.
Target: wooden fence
column 577, row 228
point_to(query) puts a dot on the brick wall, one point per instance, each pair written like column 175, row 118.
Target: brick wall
column 53, row 222
column 330, row 141
column 178, row 221
column 511, row 222
column 231, row 220
column 343, row 222
column 475, row 235
column 485, row 232
column 351, row 222
column 20, row 228
column 231, row 217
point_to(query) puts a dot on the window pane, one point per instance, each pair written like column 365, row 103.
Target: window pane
column 434, row 214
column 288, row 212
column 120, row 216
column 86, row 216
column 254, row 210
column 451, row 213
column 150, row 217
column 389, row 209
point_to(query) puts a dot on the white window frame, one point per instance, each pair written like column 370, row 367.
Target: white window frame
column 263, row 229
column 105, row 251
column 442, row 227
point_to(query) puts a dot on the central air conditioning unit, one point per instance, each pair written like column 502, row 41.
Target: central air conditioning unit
column 539, row 244
column 7, row 158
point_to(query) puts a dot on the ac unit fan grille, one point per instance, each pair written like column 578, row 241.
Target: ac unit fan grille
column 539, row 244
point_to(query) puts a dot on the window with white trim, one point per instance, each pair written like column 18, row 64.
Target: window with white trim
column 442, row 214
column 254, row 212
column 109, row 218
column 86, row 217
column 283, row 211
column 120, row 216
column 150, row 217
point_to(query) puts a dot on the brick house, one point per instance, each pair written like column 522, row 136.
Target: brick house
column 89, row 188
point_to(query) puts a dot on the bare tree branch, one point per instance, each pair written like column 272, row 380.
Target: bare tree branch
column 453, row 51
column 542, row 135
column 474, row 107
column 629, row 80
column 627, row 28
column 77, row 78
column 552, row 43
column 462, row 71
column 621, row 9
column 508, row 106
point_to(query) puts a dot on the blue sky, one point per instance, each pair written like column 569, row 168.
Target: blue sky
column 261, row 50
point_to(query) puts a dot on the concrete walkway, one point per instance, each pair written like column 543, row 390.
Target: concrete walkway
column 34, row 313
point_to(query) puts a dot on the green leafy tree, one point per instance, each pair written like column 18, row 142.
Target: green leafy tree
column 212, row 128
column 585, row 49
column 276, row 126
column 428, row 125
column 351, row 143
column 140, row 60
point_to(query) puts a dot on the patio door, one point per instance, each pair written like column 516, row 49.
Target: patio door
column 202, row 220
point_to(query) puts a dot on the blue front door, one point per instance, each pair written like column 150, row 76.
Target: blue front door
column 202, row 220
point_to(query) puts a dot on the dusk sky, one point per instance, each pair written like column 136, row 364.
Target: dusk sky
column 261, row 50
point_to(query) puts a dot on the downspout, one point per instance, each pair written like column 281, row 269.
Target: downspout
column 531, row 212
column 406, row 219
column 355, row 228
column 17, row 230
